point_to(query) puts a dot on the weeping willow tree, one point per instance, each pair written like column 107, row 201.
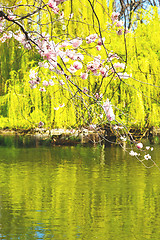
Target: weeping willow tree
column 135, row 99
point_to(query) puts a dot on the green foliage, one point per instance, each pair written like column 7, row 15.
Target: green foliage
column 24, row 107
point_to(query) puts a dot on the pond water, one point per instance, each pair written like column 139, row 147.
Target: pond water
column 85, row 193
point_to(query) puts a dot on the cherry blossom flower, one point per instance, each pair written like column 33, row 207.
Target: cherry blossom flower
column 94, row 65
column 42, row 89
column 62, row 105
column 101, row 41
column 119, row 24
column 51, row 3
column 72, row 69
column 115, row 16
column 107, row 107
column 76, row 43
column 98, row 48
column 91, row 38
column 45, row 83
column 40, row 124
column 33, row 74
column 51, row 83
column 139, row 145
column 84, row 75
column 123, row 138
column 147, row 157
column 98, row 96
column 103, row 71
column 112, row 56
column 123, row 75
column 85, row 90
column 132, row 153
column 77, row 65
column 70, row 54
column 11, row 16
column 78, row 56
column 61, row 82
column 33, row 86
column 119, row 65
column 55, row 9
column 65, row 44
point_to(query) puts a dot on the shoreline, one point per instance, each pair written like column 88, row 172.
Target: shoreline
column 82, row 136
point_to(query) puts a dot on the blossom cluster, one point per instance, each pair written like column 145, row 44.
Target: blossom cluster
column 118, row 23
column 53, row 5
column 107, row 107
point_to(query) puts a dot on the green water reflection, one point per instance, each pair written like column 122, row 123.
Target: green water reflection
column 68, row 193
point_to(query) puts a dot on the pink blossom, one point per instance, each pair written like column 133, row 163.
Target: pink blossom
column 11, row 16
column 147, row 157
column 111, row 56
column 107, row 107
column 72, row 69
column 139, row 145
column 40, row 124
column 85, row 90
column 98, row 96
column 61, row 82
column 51, row 3
column 123, row 75
column 42, row 89
column 51, row 83
column 33, row 74
column 94, row 65
column 103, row 71
column 33, row 86
column 119, row 24
column 1, row 28
column 77, row 65
column 19, row 37
column 55, row 10
column 132, row 153
column 78, row 56
column 84, row 75
column 98, row 48
column 115, row 16
column 70, row 54
column 101, row 41
column 53, row 64
column 45, row 83
column 76, row 42
column 62, row 105
column 65, row 44
column 119, row 65
column 91, row 38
